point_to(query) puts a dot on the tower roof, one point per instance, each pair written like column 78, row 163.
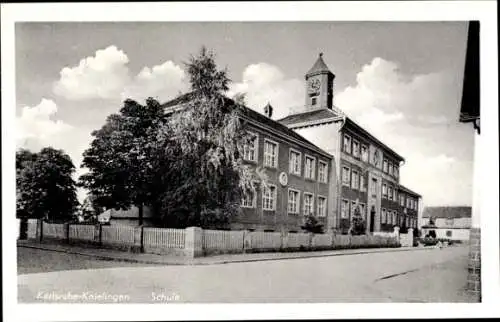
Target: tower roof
column 319, row 66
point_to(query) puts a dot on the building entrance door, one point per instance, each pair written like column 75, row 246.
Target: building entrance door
column 372, row 219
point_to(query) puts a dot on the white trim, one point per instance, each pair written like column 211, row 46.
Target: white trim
column 288, row 201
column 326, row 171
column 306, row 156
column 274, row 196
column 256, row 148
column 304, row 203
column 326, row 206
column 290, row 150
column 277, row 153
column 315, row 122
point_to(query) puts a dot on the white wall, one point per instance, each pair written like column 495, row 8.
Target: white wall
column 456, row 234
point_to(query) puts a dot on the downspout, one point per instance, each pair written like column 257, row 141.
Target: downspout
column 339, row 172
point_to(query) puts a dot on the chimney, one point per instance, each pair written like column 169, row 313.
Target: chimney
column 268, row 110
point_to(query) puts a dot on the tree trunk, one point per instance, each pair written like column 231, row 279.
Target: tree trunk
column 141, row 214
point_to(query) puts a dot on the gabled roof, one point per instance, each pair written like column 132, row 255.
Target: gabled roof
column 250, row 115
column 447, row 212
column 403, row 188
column 325, row 115
column 309, row 117
column 319, row 66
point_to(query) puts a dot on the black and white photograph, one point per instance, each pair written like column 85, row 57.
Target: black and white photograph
column 198, row 159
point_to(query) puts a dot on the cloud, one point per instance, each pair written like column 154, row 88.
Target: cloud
column 415, row 115
column 35, row 122
column 103, row 76
column 162, row 82
column 37, row 128
column 265, row 83
column 106, row 75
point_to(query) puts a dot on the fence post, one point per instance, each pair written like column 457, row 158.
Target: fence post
column 311, row 236
column 137, row 246
column 396, row 234
column 39, row 230
column 97, row 234
column 193, row 242
column 410, row 237
column 284, row 240
column 334, row 234
column 247, row 241
column 66, row 232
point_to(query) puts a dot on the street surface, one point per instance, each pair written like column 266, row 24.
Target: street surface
column 434, row 275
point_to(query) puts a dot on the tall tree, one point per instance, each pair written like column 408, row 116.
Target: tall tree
column 209, row 138
column 45, row 186
column 120, row 158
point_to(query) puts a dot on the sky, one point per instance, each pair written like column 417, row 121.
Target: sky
column 402, row 81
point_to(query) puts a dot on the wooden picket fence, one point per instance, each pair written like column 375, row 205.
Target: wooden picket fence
column 175, row 241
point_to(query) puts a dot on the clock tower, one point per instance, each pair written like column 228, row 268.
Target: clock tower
column 319, row 86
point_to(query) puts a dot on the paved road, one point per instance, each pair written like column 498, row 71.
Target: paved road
column 31, row 260
column 437, row 275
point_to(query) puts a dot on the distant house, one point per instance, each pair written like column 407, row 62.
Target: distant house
column 128, row 217
column 447, row 222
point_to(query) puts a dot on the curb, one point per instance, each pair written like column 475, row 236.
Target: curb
column 191, row 262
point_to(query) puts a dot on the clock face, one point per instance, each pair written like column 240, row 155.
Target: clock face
column 314, row 86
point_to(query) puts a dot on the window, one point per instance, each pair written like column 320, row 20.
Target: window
column 249, row 200
column 374, row 187
column 364, row 153
column 293, row 201
column 347, row 144
column 295, row 162
column 323, row 172
column 269, row 197
column 321, row 206
column 390, row 193
column 355, row 148
column 383, row 216
column 346, row 177
column 308, row 204
column 416, row 205
column 345, row 209
column 390, row 168
column 401, row 200
column 310, row 167
column 313, row 101
column 384, row 190
column 384, row 166
column 408, row 202
column 250, row 150
column 362, row 183
column 270, row 154
column 396, row 171
column 394, row 218
column 355, row 180
column 395, row 192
